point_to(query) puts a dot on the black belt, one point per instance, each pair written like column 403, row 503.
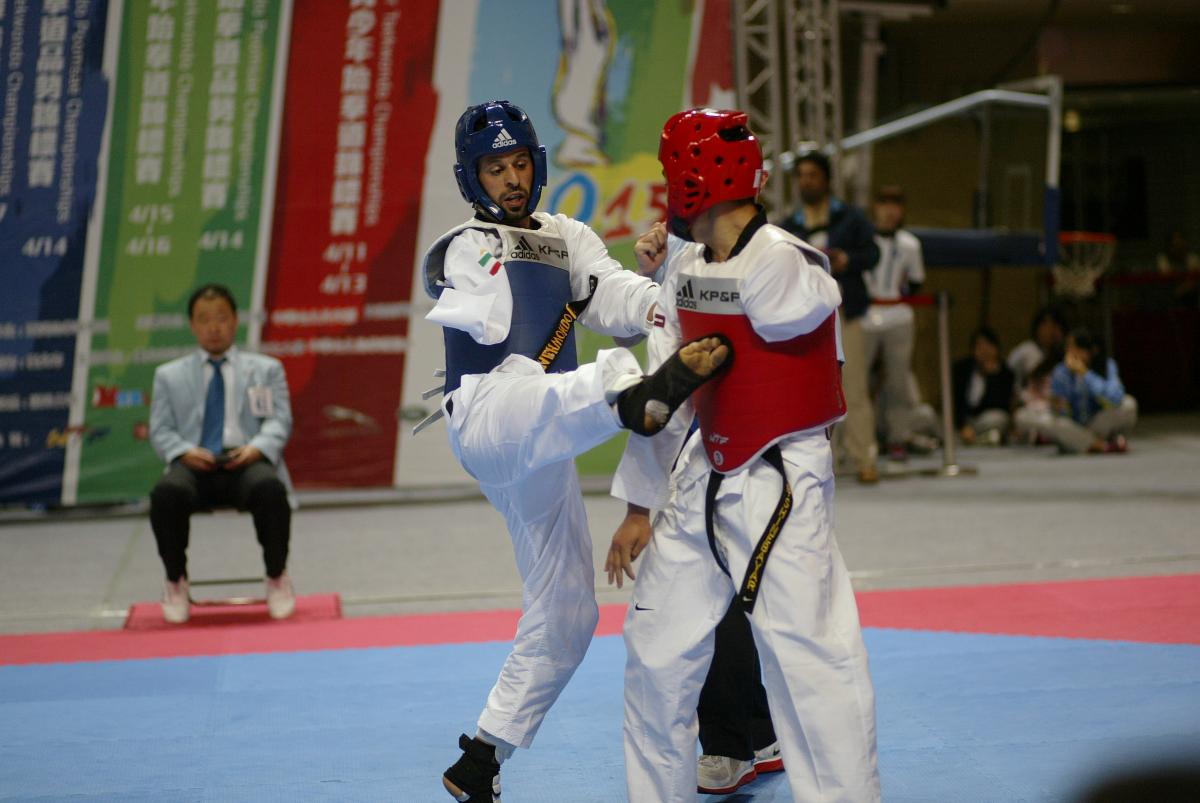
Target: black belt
column 562, row 329
column 748, row 593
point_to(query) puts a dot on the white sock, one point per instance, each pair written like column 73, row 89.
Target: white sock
column 620, row 384
column 504, row 750
column 620, row 372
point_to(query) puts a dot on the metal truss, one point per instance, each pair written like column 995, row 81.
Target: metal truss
column 814, row 78
column 759, row 77
column 788, row 76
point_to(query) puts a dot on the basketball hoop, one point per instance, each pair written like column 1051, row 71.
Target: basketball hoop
column 1083, row 257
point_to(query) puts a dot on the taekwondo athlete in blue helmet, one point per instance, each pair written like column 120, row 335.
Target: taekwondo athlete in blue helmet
column 509, row 284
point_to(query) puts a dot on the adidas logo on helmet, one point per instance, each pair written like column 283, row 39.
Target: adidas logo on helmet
column 503, row 140
column 488, row 129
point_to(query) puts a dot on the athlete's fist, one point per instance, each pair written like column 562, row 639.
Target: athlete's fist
column 651, row 249
column 629, row 540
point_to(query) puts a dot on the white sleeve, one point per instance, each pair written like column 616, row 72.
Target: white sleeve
column 871, row 274
column 643, row 475
column 786, row 296
column 916, row 265
column 622, row 301
column 478, row 299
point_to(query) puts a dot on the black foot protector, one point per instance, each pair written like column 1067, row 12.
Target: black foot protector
column 646, row 407
column 475, row 777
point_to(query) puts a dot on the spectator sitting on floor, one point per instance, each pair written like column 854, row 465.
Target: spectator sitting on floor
column 983, row 391
column 1047, row 334
column 1092, row 412
column 1035, row 400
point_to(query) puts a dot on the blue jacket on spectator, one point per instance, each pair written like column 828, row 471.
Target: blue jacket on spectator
column 1087, row 394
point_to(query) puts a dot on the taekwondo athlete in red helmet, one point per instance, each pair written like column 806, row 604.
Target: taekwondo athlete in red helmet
column 747, row 511
column 509, row 284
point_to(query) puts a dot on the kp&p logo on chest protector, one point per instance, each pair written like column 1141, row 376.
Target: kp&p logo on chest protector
column 530, row 247
column 716, row 296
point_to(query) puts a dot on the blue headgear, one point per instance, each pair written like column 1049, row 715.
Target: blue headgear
column 494, row 127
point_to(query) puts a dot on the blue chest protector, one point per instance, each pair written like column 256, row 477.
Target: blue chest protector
column 535, row 264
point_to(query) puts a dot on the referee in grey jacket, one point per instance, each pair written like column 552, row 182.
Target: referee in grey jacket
column 220, row 418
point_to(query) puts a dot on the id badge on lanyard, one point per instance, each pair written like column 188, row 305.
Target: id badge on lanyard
column 262, row 402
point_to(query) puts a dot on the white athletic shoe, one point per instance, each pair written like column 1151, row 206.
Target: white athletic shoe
column 281, row 599
column 769, row 759
column 176, row 604
column 720, row 775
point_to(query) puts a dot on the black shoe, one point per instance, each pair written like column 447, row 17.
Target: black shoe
column 475, row 777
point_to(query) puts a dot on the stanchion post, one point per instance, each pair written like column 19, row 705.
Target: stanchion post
column 948, row 440
column 950, row 466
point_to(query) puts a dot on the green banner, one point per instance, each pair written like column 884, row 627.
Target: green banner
column 187, row 161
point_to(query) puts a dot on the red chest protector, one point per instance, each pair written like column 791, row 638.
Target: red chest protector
column 772, row 389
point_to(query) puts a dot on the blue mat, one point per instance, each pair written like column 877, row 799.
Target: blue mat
column 961, row 718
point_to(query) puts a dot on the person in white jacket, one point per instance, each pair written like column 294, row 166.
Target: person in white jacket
column 889, row 323
column 509, row 284
column 747, row 512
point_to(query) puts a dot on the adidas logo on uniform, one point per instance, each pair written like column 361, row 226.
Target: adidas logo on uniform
column 523, row 250
column 685, row 296
column 503, row 140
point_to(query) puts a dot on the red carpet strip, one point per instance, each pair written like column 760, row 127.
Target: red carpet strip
column 1164, row 610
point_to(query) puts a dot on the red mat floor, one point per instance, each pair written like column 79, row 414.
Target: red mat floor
column 1162, row 609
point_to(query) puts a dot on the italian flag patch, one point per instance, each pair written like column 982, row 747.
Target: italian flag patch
column 484, row 258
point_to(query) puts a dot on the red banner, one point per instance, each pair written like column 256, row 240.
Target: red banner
column 358, row 114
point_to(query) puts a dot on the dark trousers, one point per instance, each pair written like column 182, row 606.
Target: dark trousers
column 733, row 713
column 182, row 491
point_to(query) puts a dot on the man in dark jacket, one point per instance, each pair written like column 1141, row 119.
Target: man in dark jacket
column 847, row 237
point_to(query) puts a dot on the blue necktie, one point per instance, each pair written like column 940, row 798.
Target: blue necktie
column 212, row 432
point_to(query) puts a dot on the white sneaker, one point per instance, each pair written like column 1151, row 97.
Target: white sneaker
column 769, row 759
column 720, row 775
column 281, row 599
column 176, row 604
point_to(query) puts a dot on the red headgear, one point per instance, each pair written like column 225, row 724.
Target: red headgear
column 708, row 156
